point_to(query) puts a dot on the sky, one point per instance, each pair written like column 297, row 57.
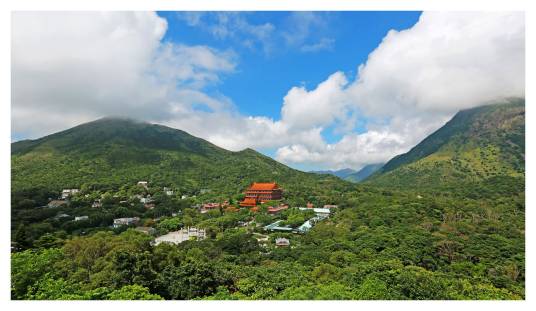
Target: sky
column 313, row 90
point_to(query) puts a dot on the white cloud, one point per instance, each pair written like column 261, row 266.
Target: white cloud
column 410, row 85
column 446, row 62
column 297, row 30
column 319, row 107
column 303, row 28
column 71, row 67
column 232, row 25
column 416, row 79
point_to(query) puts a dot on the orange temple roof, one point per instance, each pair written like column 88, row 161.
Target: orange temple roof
column 248, row 202
column 263, row 186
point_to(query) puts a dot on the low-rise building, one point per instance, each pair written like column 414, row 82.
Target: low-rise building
column 126, row 221
column 79, row 218
column 209, row 206
column 66, row 193
column 143, row 184
column 182, row 235
column 282, row 242
column 146, row 200
column 168, row 191
column 275, row 210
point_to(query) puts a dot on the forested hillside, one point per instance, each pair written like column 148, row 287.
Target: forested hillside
column 479, row 147
column 110, row 153
column 444, row 221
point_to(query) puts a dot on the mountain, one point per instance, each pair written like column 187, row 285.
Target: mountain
column 479, row 146
column 363, row 173
column 339, row 173
column 353, row 175
column 113, row 152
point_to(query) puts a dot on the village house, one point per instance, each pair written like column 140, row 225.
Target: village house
column 79, row 218
column 274, row 210
column 168, row 191
column 260, row 193
column 282, row 242
column 126, row 221
column 142, row 184
column 310, row 205
column 210, row 206
column 149, row 205
column 146, row 200
column 56, row 203
column 96, row 204
column 66, row 193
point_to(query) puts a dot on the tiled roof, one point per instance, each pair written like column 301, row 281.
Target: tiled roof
column 248, row 202
column 263, row 186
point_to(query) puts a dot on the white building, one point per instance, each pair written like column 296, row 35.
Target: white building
column 182, row 235
column 118, row 222
column 78, row 218
column 143, row 184
column 68, row 192
column 323, row 212
column 168, row 191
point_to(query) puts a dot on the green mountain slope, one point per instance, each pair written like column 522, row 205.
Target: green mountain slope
column 483, row 145
column 363, row 173
column 112, row 152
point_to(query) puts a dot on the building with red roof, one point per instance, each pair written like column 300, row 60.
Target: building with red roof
column 275, row 210
column 248, row 202
column 261, row 192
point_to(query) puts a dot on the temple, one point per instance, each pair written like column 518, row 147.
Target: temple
column 260, row 193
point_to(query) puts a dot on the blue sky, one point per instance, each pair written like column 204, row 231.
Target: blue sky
column 262, row 78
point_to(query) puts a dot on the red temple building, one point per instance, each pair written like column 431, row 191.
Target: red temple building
column 261, row 192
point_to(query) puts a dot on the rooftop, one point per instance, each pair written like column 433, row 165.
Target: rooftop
column 263, row 186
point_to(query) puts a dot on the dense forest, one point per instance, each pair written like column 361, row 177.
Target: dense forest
column 445, row 221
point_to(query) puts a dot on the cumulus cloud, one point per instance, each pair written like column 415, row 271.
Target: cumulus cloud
column 445, row 62
column 71, row 67
column 68, row 68
column 418, row 78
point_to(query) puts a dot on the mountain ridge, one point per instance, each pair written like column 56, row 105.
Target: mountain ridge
column 476, row 145
column 113, row 151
